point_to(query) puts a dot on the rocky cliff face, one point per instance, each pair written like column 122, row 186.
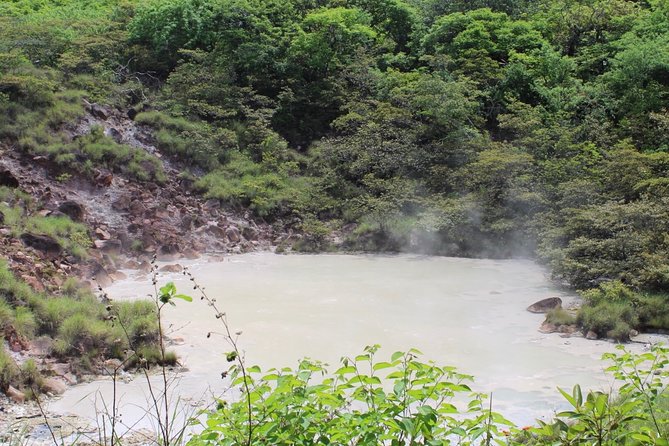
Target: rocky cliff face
column 128, row 221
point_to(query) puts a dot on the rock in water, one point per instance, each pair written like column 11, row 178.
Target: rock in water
column 544, row 305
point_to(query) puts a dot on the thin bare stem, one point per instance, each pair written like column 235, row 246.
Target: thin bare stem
column 233, row 343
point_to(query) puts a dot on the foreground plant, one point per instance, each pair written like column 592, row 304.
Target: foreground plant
column 364, row 402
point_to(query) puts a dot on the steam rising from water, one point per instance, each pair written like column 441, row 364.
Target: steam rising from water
column 469, row 313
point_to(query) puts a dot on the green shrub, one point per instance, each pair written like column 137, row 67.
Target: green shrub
column 269, row 194
column 614, row 291
column 149, row 355
column 24, row 322
column 51, row 312
column 79, row 334
column 653, row 311
column 30, row 375
column 9, row 372
column 560, row 316
column 140, row 321
column 608, row 319
column 364, row 401
column 72, row 236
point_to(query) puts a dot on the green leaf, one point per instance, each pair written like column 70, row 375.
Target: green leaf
column 183, row 297
column 381, row 366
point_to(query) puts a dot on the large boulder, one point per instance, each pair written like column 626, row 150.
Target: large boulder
column 43, row 243
column 8, row 179
column 72, row 209
column 233, row 234
column 545, row 305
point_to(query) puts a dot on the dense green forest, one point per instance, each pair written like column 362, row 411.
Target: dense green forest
column 482, row 128
column 470, row 128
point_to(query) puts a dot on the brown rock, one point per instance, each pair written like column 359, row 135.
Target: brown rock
column 118, row 275
column 73, row 210
column 169, row 251
column 567, row 329
column 115, row 135
column 174, row 268
column 100, row 276
column 122, row 203
column 34, row 283
column 15, row 395
column 108, row 246
column 131, row 264
column 104, row 179
column 43, row 243
column 186, row 222
column 214, row 230
column 54, row 386
column 544, row 305
column 144, row 267
column 137, row 208
column 8, row 179
column 233, row 234
column 41, row 346
column 250, row 233
column 547, row 327
column 101, row 234
column 190, row 253
column 99, row 111
column 591, row 335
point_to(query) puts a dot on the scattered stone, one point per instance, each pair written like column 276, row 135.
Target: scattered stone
column 41, row 346
column 250, row 233
column 15, row 395
column 131, row 264
column 43, row 243
column 73, row 210
column 112, row 365
column 108, row 246
column 118, row 275
column 547, row 328
column 137, row 208
column 633, row 333
column 144, row 267
column 174, row 268
column 232, row 233
column 8, row 179
column 101, row 276
column 567, row 329
column 101, row 234
column 544, row 305
column 168, row 252
column 212, row 204
column 34, row 283
column 122, row 203
column 104, row 179
column 54, row 386
column 214, row 229
column 190, row 253
column 115, row 135
column 99, row 111
column 591, row 335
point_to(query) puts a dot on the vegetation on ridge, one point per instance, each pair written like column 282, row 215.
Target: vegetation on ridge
column 480, row 128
